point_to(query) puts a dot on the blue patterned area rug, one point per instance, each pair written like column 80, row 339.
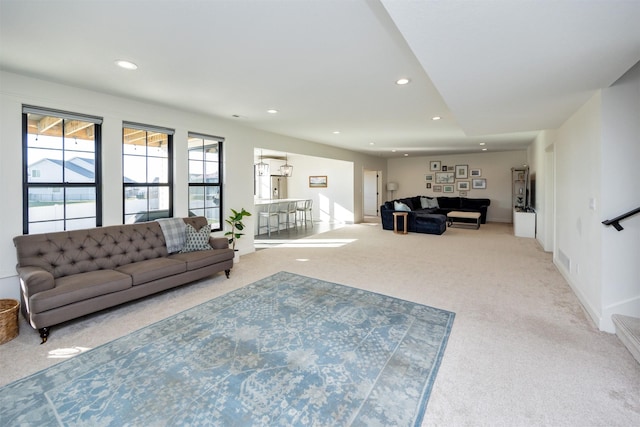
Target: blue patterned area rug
column 286, row 350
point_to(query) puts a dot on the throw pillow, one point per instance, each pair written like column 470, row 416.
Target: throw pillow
column 399, row 206
column 424, row 202
column 196, row 240
column 433, row 203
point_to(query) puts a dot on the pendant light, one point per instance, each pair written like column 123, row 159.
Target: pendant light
column 286, row 169
column 262, row 168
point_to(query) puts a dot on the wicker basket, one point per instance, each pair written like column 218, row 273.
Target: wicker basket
column 8, row 319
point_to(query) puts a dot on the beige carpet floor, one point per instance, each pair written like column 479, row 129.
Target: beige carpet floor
column 522, row 352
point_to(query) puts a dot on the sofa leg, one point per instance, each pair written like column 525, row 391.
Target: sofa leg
column 227, row 273
column 44, row 334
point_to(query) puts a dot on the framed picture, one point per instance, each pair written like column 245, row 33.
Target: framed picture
column 445, row 178
column 476, row 172
column 463, row 185
column 428, row 177
column 462, row 171
column 479, row 183
column 428, row 185
column 463, row 193
column 437, row 188
column 434, row 165
column 450, row 168
column 318, row 181
column 447, row 188
column 444, row 168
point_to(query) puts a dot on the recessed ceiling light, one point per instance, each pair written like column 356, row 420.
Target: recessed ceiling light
column 272, row 111
column 372, row 143
column 336, row 132
column 406, row 155
column 484, row 149
column 393, row 151
column 483, row 143
column 402, row 81
column 127, row 65
column 436, row 118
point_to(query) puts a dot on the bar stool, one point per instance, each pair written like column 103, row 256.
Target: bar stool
column 304, row 207
column 269, row 211
column 287, row 209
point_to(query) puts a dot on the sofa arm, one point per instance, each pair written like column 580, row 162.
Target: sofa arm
column 34, row 280
column 219, row 242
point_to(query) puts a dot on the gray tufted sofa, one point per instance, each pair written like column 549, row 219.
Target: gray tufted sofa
column 65, row 275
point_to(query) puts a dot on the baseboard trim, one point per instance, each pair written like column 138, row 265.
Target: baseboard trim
column 591, row 311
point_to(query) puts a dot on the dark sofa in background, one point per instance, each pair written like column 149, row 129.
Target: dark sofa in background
column 431, row 220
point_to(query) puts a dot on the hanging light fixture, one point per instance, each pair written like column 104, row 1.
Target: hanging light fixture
column 286, row 169
column 262, row 168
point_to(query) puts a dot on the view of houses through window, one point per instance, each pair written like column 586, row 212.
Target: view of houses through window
column 61, row 163
column 147, row 173
column 205, row 170
column 61, row 175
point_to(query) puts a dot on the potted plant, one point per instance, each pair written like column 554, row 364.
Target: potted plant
column 235, row 221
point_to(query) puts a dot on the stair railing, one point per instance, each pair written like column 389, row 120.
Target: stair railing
column 616, row 221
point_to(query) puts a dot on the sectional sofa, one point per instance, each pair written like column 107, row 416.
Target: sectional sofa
column 428, row 214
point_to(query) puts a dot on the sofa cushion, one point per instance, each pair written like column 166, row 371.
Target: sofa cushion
column 152, row 269
column 78, row 287
column 412, row 202
column 474, row 203
column 400, row 206
column 197, row 240
column 199, row 259
column 448, row 202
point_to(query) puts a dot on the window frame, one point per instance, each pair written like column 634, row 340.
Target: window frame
column 205, row 185
column 148, row 185
column 61, row 185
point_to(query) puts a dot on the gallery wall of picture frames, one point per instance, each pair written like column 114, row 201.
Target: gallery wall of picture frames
column 447, row 179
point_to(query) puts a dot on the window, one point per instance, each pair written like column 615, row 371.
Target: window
column 61, row 170
column 205, row 182
column 147, row 172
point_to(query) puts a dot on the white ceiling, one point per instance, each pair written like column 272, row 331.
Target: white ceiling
column 496, row 71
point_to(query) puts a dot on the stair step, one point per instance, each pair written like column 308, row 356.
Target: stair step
column 628, row 330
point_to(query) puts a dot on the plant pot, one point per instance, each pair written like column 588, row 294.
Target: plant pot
column 236, row 257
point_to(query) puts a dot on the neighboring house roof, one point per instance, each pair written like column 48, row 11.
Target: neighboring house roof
column 74, row 167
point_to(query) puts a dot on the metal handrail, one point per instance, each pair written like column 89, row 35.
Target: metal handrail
column 616, row 221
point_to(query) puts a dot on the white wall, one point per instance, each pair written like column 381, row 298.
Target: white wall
column 409, row 173
column 541, row 163
column 16, row 90
column 597, row 176
column 333, row 203
column 620, row 193
column 578, row 243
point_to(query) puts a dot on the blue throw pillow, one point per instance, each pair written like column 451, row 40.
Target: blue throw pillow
column 399, row 206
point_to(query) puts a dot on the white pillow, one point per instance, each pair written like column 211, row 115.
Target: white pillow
column 428, row 202
column 399, row 206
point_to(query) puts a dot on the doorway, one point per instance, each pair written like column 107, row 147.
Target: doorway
column 371, row 193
